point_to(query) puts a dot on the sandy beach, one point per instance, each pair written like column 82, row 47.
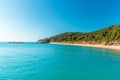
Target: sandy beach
column 113, row 47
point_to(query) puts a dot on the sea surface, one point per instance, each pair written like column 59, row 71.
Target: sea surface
column 33, row 61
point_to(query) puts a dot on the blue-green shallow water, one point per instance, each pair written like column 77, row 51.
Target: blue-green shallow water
column 32, row 61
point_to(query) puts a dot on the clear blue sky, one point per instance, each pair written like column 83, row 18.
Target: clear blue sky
column 30, row 20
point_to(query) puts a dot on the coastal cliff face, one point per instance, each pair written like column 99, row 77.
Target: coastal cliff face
column 106, row 36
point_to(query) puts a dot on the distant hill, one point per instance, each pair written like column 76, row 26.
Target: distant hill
column 106, row 36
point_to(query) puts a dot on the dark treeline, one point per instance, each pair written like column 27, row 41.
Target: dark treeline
column 106, row 36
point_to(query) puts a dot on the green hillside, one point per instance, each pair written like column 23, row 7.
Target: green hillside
column 106, row 36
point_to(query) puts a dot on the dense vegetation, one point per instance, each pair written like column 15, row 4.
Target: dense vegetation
column 106, row 36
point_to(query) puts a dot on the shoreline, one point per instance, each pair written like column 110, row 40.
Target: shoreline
column 112, row 47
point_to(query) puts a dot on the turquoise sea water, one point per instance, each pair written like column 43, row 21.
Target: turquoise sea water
column 32, row 61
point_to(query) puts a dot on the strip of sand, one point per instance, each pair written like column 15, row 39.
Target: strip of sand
column 114, row 47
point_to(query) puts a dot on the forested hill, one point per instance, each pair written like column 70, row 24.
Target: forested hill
column 106, row 36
